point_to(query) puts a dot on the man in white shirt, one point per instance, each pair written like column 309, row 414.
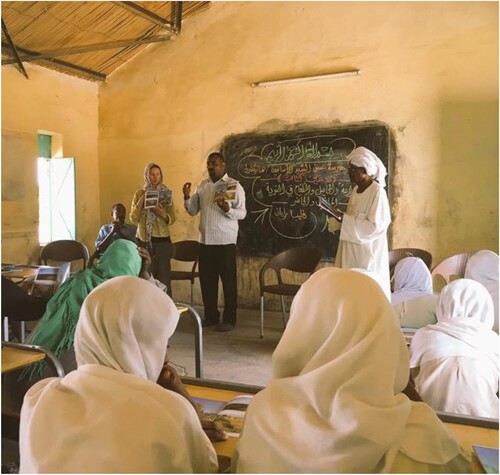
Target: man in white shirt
column 220, row 200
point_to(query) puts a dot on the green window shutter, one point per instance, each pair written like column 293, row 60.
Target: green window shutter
column 44, row 146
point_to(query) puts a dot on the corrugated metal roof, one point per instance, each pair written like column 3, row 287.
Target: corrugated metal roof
column 50, row 27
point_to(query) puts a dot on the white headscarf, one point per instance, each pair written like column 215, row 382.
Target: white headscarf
column 110, row 416
column 465, row 318
column 483, row 267
column 412, row 279
column 335, row 404
column 362, row 157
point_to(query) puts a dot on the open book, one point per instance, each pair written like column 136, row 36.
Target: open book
column 153, row 197
column 324, row 205
column 227, row 415
column 226, row 190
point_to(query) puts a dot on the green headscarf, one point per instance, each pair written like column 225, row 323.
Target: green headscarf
column 56, row 330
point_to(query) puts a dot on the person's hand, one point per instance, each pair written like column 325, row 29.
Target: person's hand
column 222, row 204
column 146, row 262
column 186, row 190
column 161, row 211
column 213, row 431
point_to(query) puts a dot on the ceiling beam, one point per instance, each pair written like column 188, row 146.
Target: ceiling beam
column 63, row 65
column 85, row 49
column 13, row 50
column 177, row 10
column 146, row 14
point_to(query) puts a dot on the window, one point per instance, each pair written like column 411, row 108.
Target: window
column 56, row 182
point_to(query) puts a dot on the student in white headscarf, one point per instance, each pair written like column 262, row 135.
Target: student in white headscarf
column 455, row 362
column 335, row 404
column 483, row 267
column 363, row 235
column 413, row 299
column 111, row 415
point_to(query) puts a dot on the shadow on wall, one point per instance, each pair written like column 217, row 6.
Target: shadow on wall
column 467, row 198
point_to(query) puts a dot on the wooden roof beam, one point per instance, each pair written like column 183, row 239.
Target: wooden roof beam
column 14, row 50
column 88, row 48
column 63, row 65
column 147, row 15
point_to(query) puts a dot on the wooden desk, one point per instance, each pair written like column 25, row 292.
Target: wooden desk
column 467, row 435
column 14, row 358
column 20, row 273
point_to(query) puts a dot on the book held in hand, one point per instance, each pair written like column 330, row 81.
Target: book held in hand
column 226, row 190
column 154, row 197
column 324, row 205
column 228, row 416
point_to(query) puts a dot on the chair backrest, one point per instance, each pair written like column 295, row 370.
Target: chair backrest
column 395, row 255
column 65, row 250
column 185, row 251
column 295, row 259
column 452, row 266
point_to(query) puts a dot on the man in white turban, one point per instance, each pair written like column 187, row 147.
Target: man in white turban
column 363, row 235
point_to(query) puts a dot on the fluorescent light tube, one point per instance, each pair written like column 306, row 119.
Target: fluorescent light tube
column 277, row 82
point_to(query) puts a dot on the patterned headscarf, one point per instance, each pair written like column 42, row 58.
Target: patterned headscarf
column 362, row 157
column 150, row 215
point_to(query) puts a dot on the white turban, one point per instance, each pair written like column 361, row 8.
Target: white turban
column 362, row 157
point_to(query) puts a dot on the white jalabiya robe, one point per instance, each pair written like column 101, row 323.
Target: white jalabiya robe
column 455, row 362
column 363, row 236
column 483, row 267
column 335, row 404
column 110, row 416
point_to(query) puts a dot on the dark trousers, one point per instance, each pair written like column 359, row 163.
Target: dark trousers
column 161, row 253
column 215, row 262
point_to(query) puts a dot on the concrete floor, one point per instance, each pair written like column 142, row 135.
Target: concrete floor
column 237, row 356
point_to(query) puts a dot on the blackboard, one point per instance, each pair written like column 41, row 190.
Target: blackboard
column 283, row 174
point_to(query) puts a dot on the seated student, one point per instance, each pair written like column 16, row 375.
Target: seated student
column 55, row 331
column 412, row 299
column 112, row 415
column 335, row 404
column 455, row 362
column 483, row 267
column 118, row 229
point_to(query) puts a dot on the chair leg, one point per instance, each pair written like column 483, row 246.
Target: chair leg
column 192, row 287
column 5, row 328
column 283, row 310
column 262, row 316
column 23, row 331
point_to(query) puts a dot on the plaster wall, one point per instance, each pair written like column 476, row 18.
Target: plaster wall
column 429, row 70
column 55, row 103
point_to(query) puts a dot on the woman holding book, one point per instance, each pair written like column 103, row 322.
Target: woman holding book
column 336, row 402
column 118, row 412
column 153, row 212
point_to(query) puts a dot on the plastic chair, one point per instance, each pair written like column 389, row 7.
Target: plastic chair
column 185, row 251
column 452, row 267
column 296, row 259
column 395, row 255
column 65, row 250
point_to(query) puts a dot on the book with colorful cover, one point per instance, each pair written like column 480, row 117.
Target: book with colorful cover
column 229, row 416
column 153, row 197
column 488, row 458
column 226, row 190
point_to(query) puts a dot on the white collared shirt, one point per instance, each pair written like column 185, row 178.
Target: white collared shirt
column 216, row 226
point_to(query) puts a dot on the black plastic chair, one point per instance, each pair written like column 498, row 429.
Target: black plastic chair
column 296, row 259
column 186, row 251
column 64, row 250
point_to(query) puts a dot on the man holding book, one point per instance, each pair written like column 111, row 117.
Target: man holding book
column 220, row 200
column 363, row 235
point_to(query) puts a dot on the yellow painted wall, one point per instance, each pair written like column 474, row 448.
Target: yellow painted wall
column 56, row 103
column 429, row 71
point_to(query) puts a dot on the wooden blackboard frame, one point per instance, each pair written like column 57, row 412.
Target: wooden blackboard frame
column 284, row 173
